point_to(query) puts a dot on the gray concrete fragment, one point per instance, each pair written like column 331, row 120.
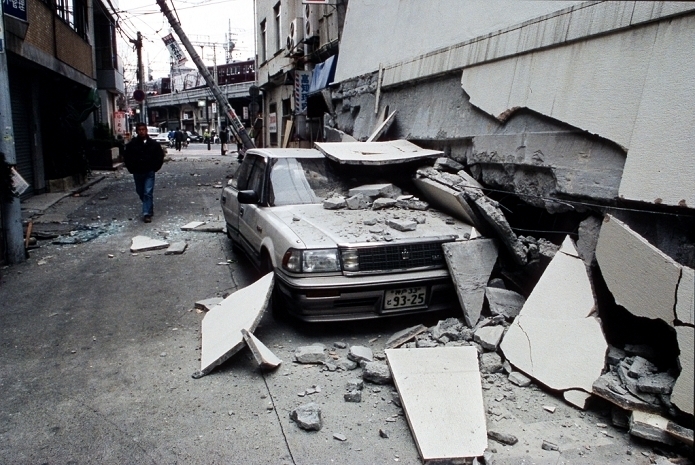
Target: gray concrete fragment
column 401, row 225
column 263, row 355
column 448, row 200
column 382, row 203
column 577, row 397
column 680, row 433
column 504, row 302
column 659, row 383
column 307, row 416
column 383, row 433
column 360, row 353
column 447, row 164
column 374, row 190
column 610, row 388
column 504, row 438
column 340, row 345
column 589, row 230
column 641, row 367
column 489, row 337
column 144, row 244
column 334, row 203
column 401, row 337
column 353, row 396
column 497, row 283
column 547, row 445
column 519, row 379
column 490, row 362
column 614, row 355
column 207, row 304
column 310, row 354
column 425, row 344
column 339, row 437
column 355, row 385
column 490, row 211
column 176, row 248
column 377, row 373
column 650, row 426
column 470, row 264
column 449, row 327
column 346, row 365
column 358, row 202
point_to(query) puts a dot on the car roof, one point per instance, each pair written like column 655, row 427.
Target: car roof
column 286, row 153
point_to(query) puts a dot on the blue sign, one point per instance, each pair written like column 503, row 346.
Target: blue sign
column 15, row 8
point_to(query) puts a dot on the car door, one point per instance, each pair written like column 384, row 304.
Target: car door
column 250, row 215
column 230, row 202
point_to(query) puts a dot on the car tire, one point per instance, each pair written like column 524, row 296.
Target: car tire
column 277, row 300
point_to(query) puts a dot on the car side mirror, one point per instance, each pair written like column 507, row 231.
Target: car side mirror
column 247, row 197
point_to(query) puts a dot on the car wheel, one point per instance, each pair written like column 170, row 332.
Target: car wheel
column 277, row 299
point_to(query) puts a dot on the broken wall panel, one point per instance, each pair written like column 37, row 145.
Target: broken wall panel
column 642, row 279
column 441, row 393
column 685, row 300
column 222, row 325
column 682, row 394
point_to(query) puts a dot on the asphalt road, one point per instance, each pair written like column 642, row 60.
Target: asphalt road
column 98, row 345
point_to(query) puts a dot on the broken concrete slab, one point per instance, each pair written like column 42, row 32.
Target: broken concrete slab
column 358, row 202
column 448, row 164
column 519, row 379
column 334, row 203
column 588, row 232
column 562, row 354
column 401, row 224
column 680, row 433
column 489, row 337
column 192, row 225
column 145, row 244
column 650, row 426
column 310, row 354
column 353, row 396
column 375, row 153
column 610, row 388
column 377, row 373
column 659, row 383
column 376, row 190
column 503, row 438
column 176, row 248
column 383, row 202
column 441, row 394
column 307, row 416
column 641, row 367
column 207, row 304
column 263, row 355
column 682, row 395
column 685, row 300
column 382, row 128
column 577, row 397
column 222, row 325
column 401, row 337
column 493, row 216
column 491, row 362
column 642, row 279
column 360, row 354
column 448, row 200
column 504, row 302
column 470, row 264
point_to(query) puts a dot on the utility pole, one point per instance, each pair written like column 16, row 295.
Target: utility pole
column 11, row 209
column 222, row 102
column 141, row 85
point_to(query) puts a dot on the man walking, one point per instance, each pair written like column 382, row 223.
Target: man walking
column 143, row 157
column 178, row 139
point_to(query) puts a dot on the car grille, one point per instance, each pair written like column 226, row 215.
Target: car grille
column 401, row 257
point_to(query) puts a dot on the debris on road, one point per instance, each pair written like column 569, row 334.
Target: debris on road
column 263, row 355
column 176, row 248
column 404, row 336
column 145, row 244
column 307, row 416
column 222, row 325
column 441, row 393
column 192, row 225
column 207, row 304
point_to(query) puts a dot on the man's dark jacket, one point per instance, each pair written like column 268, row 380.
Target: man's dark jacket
column 143, row 156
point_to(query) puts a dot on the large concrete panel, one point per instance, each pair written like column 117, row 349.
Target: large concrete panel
column 682, row 395
column 642, row 279
column 441, row 393
column 685, row 300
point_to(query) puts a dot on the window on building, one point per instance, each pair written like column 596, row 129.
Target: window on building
column 264, row 44
column 278, row 41
column 74, row 13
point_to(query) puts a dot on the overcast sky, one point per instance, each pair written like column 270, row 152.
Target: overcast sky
column 203, row 21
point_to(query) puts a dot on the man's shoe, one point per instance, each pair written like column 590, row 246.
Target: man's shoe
column 147, row 219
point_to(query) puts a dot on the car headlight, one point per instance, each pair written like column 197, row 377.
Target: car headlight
column 351, row 260
column 311, row 261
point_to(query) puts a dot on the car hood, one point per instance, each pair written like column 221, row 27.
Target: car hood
column 318, row 227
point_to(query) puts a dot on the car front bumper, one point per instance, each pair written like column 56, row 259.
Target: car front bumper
column 343, row 298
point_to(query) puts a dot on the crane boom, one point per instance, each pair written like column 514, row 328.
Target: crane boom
column 237, row 126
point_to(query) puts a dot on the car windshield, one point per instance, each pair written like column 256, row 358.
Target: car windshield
column 303, row 180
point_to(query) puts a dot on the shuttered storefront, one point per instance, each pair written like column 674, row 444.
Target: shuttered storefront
column 21, row 122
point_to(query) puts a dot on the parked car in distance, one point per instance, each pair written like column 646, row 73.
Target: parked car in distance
column 335, row 265
column 193, row 137
column 162, row 138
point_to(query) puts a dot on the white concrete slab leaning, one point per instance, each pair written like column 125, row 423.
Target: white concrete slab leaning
column 642, row 279
column 470, row 264
column 555, row 339
column 446, row 199
column 375, row 153
column 222, row 325
column 145, row 244
column 441, row 393
column 263, row 355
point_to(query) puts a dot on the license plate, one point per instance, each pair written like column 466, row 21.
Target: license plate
column 405, row 298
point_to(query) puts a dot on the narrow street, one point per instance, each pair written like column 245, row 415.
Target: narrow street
column 97, row 348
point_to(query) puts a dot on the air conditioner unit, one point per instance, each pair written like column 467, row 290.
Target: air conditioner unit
column 296, row 35
column 311, row 21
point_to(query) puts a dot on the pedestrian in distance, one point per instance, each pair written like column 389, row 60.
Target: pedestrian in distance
column 258, row 130
column 224, row 138
column 178, row 139
column 143, row 157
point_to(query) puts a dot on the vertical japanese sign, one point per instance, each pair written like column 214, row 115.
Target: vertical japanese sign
column 174, row 49
column 273, row 123
column 119, row 122
column 302, row 83
column 15, row 8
